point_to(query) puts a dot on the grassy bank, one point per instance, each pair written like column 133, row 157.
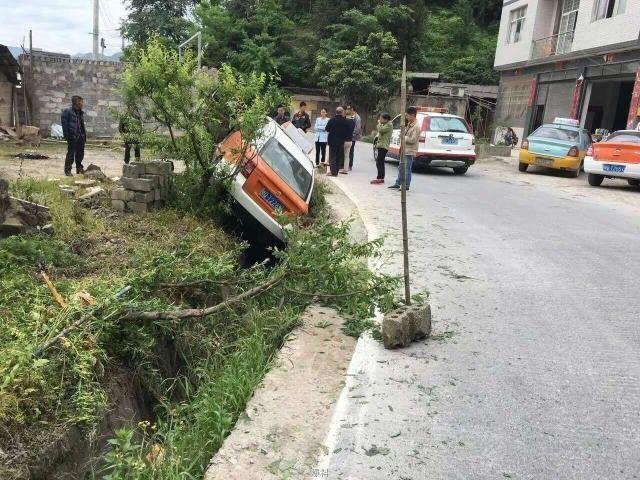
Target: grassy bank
column 195, row 374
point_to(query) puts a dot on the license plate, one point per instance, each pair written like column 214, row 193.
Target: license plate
column 449, row 141
column 544, row 162
column 270, row 199
column 614, row 168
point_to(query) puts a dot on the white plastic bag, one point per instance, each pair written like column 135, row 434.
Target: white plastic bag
column 56, row 131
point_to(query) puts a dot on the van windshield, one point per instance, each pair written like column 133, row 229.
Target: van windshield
column 287, row 167
column 447, row 124
column 556, row 133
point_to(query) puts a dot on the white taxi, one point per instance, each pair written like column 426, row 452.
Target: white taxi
column 445, row 140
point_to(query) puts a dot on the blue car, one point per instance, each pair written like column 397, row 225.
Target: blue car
column 561, row 145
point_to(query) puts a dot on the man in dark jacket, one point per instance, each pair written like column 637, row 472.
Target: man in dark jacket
column 340, row 129
column 75, row 135
column 301, row 119
column 282, row 117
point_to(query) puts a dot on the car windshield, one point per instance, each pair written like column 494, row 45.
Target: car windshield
column 624, row 137
column 447, row 124
column 287, row 167
column 556, row 133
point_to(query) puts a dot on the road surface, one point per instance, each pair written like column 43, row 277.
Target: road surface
column 533, row 370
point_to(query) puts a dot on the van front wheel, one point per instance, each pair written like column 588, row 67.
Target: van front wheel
column 523, row 166
column 460, row 170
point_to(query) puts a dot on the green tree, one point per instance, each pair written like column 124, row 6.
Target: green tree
column 161, row 18
column 366, row 74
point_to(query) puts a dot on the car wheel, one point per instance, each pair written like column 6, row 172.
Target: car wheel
column 460, row 170
column 633, row 182
column 523, row 166
column 595, row 180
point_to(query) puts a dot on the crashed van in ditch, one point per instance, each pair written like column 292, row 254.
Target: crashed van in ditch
column 277, row 177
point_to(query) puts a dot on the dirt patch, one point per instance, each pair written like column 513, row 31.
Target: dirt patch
column 109, row 158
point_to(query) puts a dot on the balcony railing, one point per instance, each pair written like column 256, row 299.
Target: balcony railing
column 554, row 45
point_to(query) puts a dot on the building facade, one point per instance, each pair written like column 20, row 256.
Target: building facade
column 568, row 58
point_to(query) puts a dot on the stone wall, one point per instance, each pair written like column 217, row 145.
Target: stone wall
column 57, row 78
column 6, row 101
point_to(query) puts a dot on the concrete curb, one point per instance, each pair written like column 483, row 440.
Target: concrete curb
column 282, row 432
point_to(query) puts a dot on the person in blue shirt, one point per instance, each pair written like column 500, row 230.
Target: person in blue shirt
column 321, row 136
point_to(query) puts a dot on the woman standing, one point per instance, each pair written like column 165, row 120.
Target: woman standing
column 321, row 136
column 385, row 130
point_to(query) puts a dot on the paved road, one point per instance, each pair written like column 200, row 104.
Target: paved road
column 533, row 371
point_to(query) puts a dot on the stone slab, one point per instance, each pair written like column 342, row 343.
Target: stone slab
column 122, row 194
column 132, row 170
column 138, row 207
column 138, row 184
column 158, row 168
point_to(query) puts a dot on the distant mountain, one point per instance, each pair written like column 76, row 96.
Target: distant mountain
column 114, row 58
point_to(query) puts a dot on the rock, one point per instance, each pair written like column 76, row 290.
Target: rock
column 93, row 196
column 156, row 179
column 133, row 170
column 158, row 167
column 406, row 325
column 118, row 205
column 47, row 229
column 146, row 197
column 85, row 183
column 68, row 190
column 122, row 194
column 138, row 184
column 11, row 226
column 138, row 207
column 95, row 172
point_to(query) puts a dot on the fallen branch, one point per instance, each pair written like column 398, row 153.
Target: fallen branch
column 54, row 292
column 40, row 351
column 203, row 312
column 330, row 295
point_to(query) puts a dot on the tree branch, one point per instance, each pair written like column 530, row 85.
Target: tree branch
column 203, row 312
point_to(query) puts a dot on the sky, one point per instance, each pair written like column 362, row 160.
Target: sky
column 60, row 25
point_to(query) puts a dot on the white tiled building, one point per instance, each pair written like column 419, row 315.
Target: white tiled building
column 568, row 57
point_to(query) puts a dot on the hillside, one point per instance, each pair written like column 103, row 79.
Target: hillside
column 302, row 41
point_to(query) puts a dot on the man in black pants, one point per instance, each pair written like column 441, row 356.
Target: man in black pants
column 124, row 127
column 339, row 129
column 75, row 135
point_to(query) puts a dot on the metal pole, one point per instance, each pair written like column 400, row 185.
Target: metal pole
column 96, row 19
column 403, row 176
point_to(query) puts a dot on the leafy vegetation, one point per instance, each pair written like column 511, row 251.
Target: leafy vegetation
column 313, row 43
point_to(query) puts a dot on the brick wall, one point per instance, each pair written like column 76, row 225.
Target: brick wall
column 6, row 101
column 57, row 78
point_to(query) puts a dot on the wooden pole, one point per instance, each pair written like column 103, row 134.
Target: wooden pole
column 403, row 176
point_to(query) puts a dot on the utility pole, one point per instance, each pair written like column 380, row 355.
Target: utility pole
column 96, row 28
column 403, row 176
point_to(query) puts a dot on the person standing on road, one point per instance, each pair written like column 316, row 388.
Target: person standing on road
column 75, row 134
column 301, row 119
column 321, row 136
column 411, row 138
column 348, row 143
column 339, row 129
column 282, row 117
column 385, row 130
column 357, row 133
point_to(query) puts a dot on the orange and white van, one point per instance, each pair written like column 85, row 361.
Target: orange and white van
column 277, row 177
column 616, row 157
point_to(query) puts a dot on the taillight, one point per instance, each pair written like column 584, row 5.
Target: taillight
column 249, row 166
column 473, row 140
column 525, row 145
column 423, row 137
column 573, row 152
column 590, row 151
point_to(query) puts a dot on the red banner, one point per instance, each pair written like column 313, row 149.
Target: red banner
column 575, row 102
column 635, row 103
